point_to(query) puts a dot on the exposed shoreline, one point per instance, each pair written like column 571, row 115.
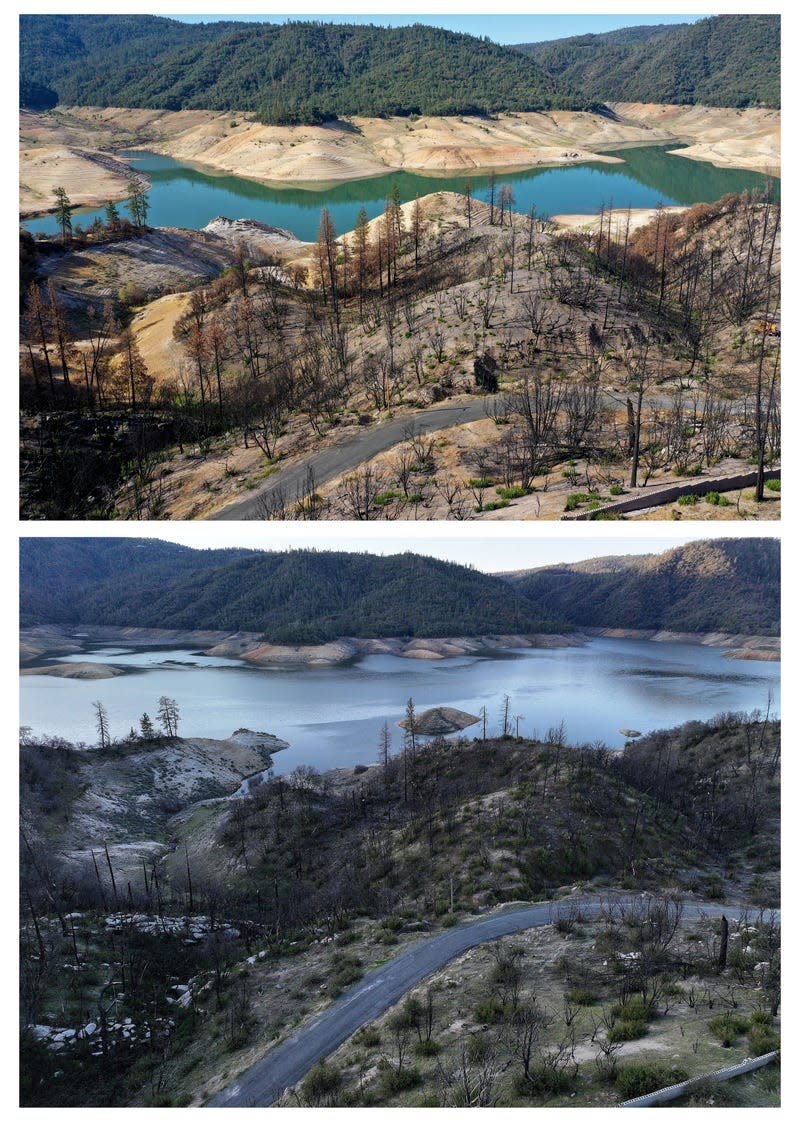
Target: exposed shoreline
column 755, row 648
column 78, row 148
column 37, row 642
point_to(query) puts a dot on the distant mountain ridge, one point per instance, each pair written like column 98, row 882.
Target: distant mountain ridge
column 720, row 585
column 299, row 72
column 731, row 60
column 306, row 71
column 307, row 597
column 300, row 596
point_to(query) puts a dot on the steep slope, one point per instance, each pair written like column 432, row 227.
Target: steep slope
column 298, row 72
column 57, row 574
column 731, row 60
column 731, row 585
column 298, row 597
column 309, row 597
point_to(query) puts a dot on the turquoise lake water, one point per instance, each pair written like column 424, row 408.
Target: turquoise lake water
column 184, row 196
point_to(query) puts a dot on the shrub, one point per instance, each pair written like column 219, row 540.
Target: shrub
column 631, row 1021
column 368, row 1037
column 509, row 492
column 544, row 1080
column 615, row 491
column 763, row 1041
column 397, row 1080
column 627, row 1030
column 633, row 1011
column 773, row 484
column 575, row 499
column 582, row 996
column 321, row 1080
column 728, row 1027
column 346, row 969
column 688, row 499
column 639, row 1078
column 488, row 1010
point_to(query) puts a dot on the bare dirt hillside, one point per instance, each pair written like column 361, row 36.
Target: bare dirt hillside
column 727, row 138
column 65, row 147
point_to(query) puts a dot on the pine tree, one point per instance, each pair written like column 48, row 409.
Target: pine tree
column 101, row 724
column 168, row 715
column 63, row 213
column 137, row 203
column 112, row 215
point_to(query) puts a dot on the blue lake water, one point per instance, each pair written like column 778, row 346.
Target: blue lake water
column 332, row 717
column 185, row 196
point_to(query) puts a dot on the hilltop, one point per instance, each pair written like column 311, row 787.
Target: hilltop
column 288, row 597
column 731, row 60
column 726, row 584
column 304, row 597
column 306, row 72
column 232, row 394
column 300, row 72
column 263, row 909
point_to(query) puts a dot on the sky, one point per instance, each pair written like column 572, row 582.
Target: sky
column 502, row 28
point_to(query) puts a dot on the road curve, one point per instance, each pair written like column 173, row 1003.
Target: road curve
column 339, row 459
column 262, row 1084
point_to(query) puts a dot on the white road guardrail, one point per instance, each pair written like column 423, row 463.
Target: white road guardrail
column 672, row 1091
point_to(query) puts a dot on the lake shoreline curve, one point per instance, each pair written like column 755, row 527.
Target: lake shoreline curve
column 49, row 641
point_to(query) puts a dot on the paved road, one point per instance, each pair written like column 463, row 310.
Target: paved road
column 336, row 460
column 284, row 1066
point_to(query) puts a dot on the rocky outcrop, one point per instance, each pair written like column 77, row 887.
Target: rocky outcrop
column 440, row 721
column 264, row 743
column 82, row 671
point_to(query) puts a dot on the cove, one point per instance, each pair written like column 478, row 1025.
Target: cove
column 184, row 196
column 332, row 716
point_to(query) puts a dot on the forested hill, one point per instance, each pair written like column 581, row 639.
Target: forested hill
column 302, row 596
column 729, row 60
column 722, row 585
column 287, row 73
column 298, row 596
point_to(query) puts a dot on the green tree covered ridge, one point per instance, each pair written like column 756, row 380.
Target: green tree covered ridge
column 311, row 597
column 729, row 585
column 731, row 60
column 309, row 71
column 297, row 72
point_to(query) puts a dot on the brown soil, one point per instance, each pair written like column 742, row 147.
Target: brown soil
column 728, row 138
column 63, row 147
column 204, row 479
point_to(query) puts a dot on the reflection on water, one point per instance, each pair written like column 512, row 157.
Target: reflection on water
column 183, row 196
column 333, row 716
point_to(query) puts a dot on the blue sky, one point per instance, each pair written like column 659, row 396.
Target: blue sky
column 501, row 28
